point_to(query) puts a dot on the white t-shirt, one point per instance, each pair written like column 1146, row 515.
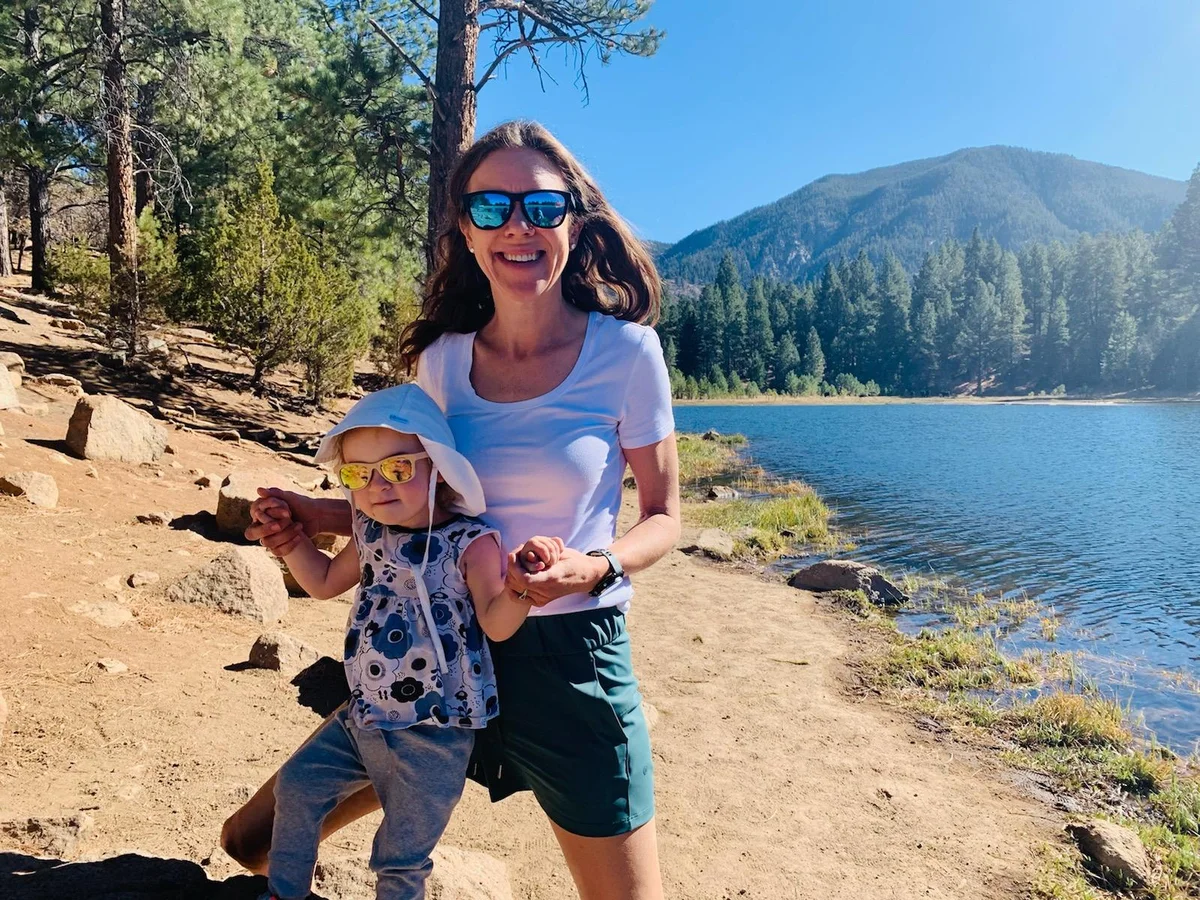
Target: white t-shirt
column 553, row 465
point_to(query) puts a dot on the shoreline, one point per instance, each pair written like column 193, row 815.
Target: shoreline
column 1030, row 714
column 1115, row 400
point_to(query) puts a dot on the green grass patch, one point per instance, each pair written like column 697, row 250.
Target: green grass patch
column 1062, row 719
column 700, row 459
column 1179, row 805
column 799, row 518
column 957, row 659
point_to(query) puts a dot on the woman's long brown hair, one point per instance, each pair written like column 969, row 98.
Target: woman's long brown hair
column 609, row 270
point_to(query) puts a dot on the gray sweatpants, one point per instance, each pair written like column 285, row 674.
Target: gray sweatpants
column 418, row 772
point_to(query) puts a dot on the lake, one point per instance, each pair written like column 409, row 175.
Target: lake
column 1090, row 509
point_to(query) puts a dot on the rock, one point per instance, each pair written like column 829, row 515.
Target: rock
column 67, row 382
column 242, row 580
column 138, row 579
column 847, row 575
column 55, row 837
column 112, row 666
column 156, row 518
column 15, row 366
column 67, row 324
column 203, row 481
column 8, row 391
column 156, row 347
column 711, row 435
column 3, row 718
column 232, row 436
column 38, row 488
column 1116, row 852
column 103, row 612
column 112, row 359
column 238, row 491
column 713, row 543
column 650, row 711
column 722, row 492
column 108, row 428
column 282, row 653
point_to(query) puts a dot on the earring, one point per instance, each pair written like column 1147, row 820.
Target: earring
column 470, row 249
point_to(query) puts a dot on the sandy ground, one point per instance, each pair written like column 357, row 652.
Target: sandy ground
column 775, row 779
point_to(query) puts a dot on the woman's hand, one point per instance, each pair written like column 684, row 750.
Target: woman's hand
column 573, row 573
column 282, row 519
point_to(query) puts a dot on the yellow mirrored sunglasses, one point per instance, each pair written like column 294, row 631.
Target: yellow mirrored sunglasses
column 396, row 469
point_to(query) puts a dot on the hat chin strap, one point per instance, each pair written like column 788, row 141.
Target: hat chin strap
column 419, row 578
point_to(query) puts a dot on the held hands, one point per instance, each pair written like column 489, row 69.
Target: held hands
column 544, row 569
column 282, row 520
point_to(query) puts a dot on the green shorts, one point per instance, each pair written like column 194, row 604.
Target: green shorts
column 571, row 727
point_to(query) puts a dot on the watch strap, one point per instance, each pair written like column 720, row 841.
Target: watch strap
column 615, row 572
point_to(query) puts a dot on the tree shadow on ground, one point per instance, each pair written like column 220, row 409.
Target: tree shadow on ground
column 129, row 876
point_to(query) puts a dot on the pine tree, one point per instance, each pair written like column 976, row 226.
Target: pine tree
column 813, row 362
column 862, row 343
column 894, row 338
column 979, row 338
column 1014, row 336
column 1118, row 364
column 1036, row 287
column 737, row 349
column 760, row 336
column 711, row 328
column 787, row 362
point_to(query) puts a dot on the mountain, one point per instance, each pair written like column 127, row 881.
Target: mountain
column 1011, row 194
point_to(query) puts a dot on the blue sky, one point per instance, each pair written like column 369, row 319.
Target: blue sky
column 748, row 100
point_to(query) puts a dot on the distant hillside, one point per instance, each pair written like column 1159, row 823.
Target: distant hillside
column 1011, row 194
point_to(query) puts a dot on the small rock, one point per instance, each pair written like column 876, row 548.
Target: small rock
column 112, row 359
column 232, row 436
column 1115, row 852
column 713, row 543
column 242, row 581
column 68, row 382
column 67, row 324
column 38, row 488
column 155, row 347
column 103, row 612
column 282, row 653
column 138, row 579
column 112, row 666
column 847, row 575
column 108, row 428
column 8, row 391
column 156, row 518
column 711, row 435
column 55, row 837
column 238, row 491
column 203, row 481
column 722, row 492
column 169, row 450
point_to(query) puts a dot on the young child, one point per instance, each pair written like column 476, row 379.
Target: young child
column 429, row 575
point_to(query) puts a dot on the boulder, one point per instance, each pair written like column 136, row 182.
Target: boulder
column 108, row 428
column 846, row 575
column 711, row 435
column 67, row 382
column 243, row 581
column 722, row 492
column 15, row 366
column 38, row 488
column 55, row 837
column 281, row 652
column 238, row 490
column 713, row 543
column 8, row 391
column 1115, row 852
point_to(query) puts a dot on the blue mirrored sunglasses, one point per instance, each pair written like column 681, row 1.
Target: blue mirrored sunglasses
column 491, row 209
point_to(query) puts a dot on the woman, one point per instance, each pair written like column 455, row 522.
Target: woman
column 529, row 339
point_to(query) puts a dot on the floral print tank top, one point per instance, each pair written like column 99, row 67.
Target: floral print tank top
column 392, row 665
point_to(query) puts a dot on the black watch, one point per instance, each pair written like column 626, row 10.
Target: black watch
column 614, row 574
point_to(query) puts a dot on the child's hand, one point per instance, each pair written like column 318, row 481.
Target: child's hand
column 540, row 553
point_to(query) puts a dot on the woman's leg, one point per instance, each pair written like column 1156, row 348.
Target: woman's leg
column 624, row 867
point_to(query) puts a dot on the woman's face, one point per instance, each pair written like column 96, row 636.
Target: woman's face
column 519, row 260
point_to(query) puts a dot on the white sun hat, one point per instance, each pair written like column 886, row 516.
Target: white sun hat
column 407, row 408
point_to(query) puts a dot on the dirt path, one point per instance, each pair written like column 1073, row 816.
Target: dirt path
column 773, row 780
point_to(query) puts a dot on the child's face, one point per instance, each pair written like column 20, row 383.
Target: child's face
column 404, row 504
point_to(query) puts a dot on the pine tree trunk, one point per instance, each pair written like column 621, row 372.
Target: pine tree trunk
column 39, row 225
column 454, row 108
column 122, row 230
column 6, row 268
